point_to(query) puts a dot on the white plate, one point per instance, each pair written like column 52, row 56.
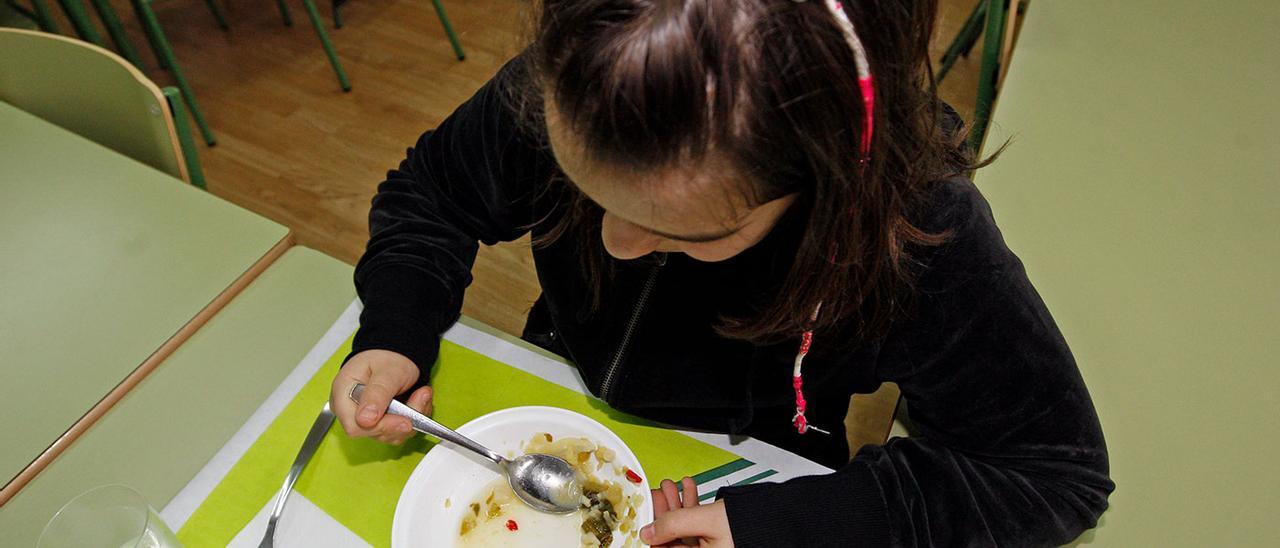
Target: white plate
column 453, row 474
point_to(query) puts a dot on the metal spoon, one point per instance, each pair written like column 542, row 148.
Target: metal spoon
column 545, row 483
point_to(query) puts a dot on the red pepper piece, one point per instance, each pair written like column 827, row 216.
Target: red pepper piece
column 633, row 477
column 512, row 525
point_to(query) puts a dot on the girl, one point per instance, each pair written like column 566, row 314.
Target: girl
column 710, row 185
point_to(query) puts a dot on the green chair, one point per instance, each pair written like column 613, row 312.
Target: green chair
column 79, row 18
column 73, row 9
column 160, row 44
column 100, row 96
column 114, row 29
column 38, row 13
column 444, row 21
column 991, row 20
column 15, row 15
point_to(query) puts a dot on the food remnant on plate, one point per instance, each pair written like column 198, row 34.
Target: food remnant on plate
column 604, row 454
column 605, row 508
column 448, row 503
column 468, row 523
column 607, row 513
column 489, row 524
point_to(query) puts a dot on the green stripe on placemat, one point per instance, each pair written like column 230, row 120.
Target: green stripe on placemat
column 358, row 482
column 757, row 477
column 762, row 475
column 721, row 471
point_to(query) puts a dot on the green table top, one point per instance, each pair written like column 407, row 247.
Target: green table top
column 1141, row 191
column 165, row 430
column 104, row 259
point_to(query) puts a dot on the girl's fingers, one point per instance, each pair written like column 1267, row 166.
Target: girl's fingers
column 342, row 406
column 394, row 431
column 394, row 428
column 421, row 400
column 678, row 526
column 690, row 492
column 373, row 402
column 660, row 505
column 670, row 493
column 384, row 375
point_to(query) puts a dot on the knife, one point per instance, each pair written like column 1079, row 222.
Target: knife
column 309, row 445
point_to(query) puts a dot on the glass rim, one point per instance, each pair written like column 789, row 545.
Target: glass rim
column 138, row 498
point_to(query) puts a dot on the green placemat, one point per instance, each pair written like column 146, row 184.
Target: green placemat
column 358, row 481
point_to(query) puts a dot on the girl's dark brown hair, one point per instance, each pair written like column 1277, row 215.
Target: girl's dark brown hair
column 769, row 85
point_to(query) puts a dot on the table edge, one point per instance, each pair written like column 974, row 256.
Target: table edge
column 184, row 333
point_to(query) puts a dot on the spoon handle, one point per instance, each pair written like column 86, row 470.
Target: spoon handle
column 426, row 425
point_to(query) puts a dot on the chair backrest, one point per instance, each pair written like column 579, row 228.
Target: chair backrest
column 92, row 92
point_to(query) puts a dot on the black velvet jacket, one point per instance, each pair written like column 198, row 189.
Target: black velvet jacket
column 1008, row 450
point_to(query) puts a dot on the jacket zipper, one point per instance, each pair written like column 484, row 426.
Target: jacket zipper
column 606, row 386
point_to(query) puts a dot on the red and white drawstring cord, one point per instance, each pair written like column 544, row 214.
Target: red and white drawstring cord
column 866, row 86
column 797, row 380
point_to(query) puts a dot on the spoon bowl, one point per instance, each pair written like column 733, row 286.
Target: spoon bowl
column 543, row 482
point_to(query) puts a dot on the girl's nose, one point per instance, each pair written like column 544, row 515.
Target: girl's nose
column 625, row 241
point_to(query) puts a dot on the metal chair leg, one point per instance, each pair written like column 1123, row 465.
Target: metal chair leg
column 110, row 20
column 975, row 33
column 964, row 40
column 79, row 18
column 284, row 13
column 328, row 46
column 337, row 12
column 216, row 10
column 41, row 15
column 190, row 156
column 992, row 47
column 151, row 37
column 165, row 53
column 448, row 30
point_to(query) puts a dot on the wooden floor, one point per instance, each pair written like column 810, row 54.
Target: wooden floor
column 293, row 147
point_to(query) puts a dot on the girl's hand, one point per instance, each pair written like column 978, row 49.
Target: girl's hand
column 681, row 521
column 385, row 375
